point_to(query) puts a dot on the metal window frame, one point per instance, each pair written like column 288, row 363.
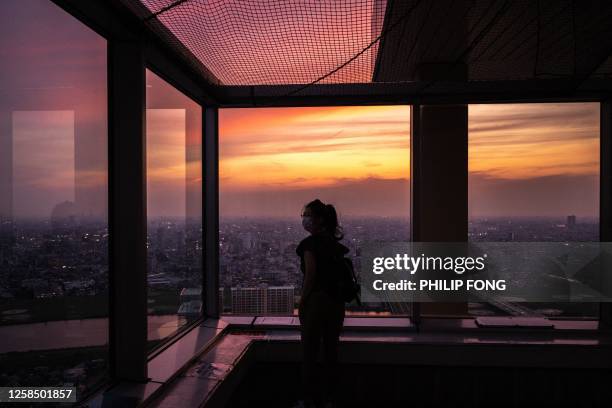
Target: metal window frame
column 211, row 211
column 605, row 194
column 127, row 212
column 189, row 90
column 415, row 184
column 130, row 52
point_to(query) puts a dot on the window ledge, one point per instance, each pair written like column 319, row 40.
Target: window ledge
column 179, row 354
column 434, row 325
column 215, row 375
column 350, row 323
column 273, row 331
column 508, row 325
column 163, row 367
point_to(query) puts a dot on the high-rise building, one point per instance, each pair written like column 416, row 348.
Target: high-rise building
column 191, row 302
column 270, row 300
column 280, row 300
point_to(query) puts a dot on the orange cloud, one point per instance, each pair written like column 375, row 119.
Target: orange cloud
column 523, row 141
column 308, row 147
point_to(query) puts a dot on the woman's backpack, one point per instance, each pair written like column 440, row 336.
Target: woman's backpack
column 347, row 285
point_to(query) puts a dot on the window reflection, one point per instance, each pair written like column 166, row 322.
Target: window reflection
column 174, row 209
column 53, row 199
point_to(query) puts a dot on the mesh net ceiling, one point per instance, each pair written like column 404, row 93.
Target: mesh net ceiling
column 414, row 47
column 276, row 42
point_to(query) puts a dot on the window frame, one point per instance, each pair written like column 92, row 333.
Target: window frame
column 602, row 184
column 167, row 341
column 42, row 106
column 349, row 314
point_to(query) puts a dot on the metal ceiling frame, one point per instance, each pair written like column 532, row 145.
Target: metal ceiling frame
column 113, row 20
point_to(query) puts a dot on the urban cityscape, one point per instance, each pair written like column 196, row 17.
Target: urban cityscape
column 63, row 265
column 68, row 259
column 57, row 270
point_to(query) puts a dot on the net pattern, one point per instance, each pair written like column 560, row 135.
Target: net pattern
column 314, row 47
column 271, row 42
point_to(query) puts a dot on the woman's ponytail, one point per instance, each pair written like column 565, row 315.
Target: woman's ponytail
column 332, row 222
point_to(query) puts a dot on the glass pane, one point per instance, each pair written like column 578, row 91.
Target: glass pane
column 272, row 161
column 174, row 209
column 53, row 199
column 534, row 176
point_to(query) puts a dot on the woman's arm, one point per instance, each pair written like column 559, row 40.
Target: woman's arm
column 309, row 274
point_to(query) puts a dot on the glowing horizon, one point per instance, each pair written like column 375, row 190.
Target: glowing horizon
column 518, row 141
column 269, row 156
column 284, row 156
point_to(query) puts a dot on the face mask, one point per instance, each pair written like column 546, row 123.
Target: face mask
column 307, row 223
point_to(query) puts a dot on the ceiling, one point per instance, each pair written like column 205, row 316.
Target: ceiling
column 258, row 51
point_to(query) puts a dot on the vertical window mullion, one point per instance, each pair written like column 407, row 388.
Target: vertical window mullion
column 127, row 212
column 605, row 196
column 415, row 194
column 211, row 211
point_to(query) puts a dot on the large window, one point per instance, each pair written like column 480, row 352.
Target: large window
column 174, row 208
column 534, row 176
column 272, row 161
column 53, row 198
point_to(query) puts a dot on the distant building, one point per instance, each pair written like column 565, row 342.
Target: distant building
column 248, row 241
column 188, row 294
column 225, row 299
column 248, row 300
column 270, row 300
column 191, row 302
column 280, row 300
column 571, row 221
column 64, row 215
column 191, row 309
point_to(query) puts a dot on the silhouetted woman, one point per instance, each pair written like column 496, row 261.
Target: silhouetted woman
column 321, row 308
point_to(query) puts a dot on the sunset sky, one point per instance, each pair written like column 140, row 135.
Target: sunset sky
column 534, row 159
column 297, row 148
column 523, row 159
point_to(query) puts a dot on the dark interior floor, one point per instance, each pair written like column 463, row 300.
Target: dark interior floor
column 278, row 385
